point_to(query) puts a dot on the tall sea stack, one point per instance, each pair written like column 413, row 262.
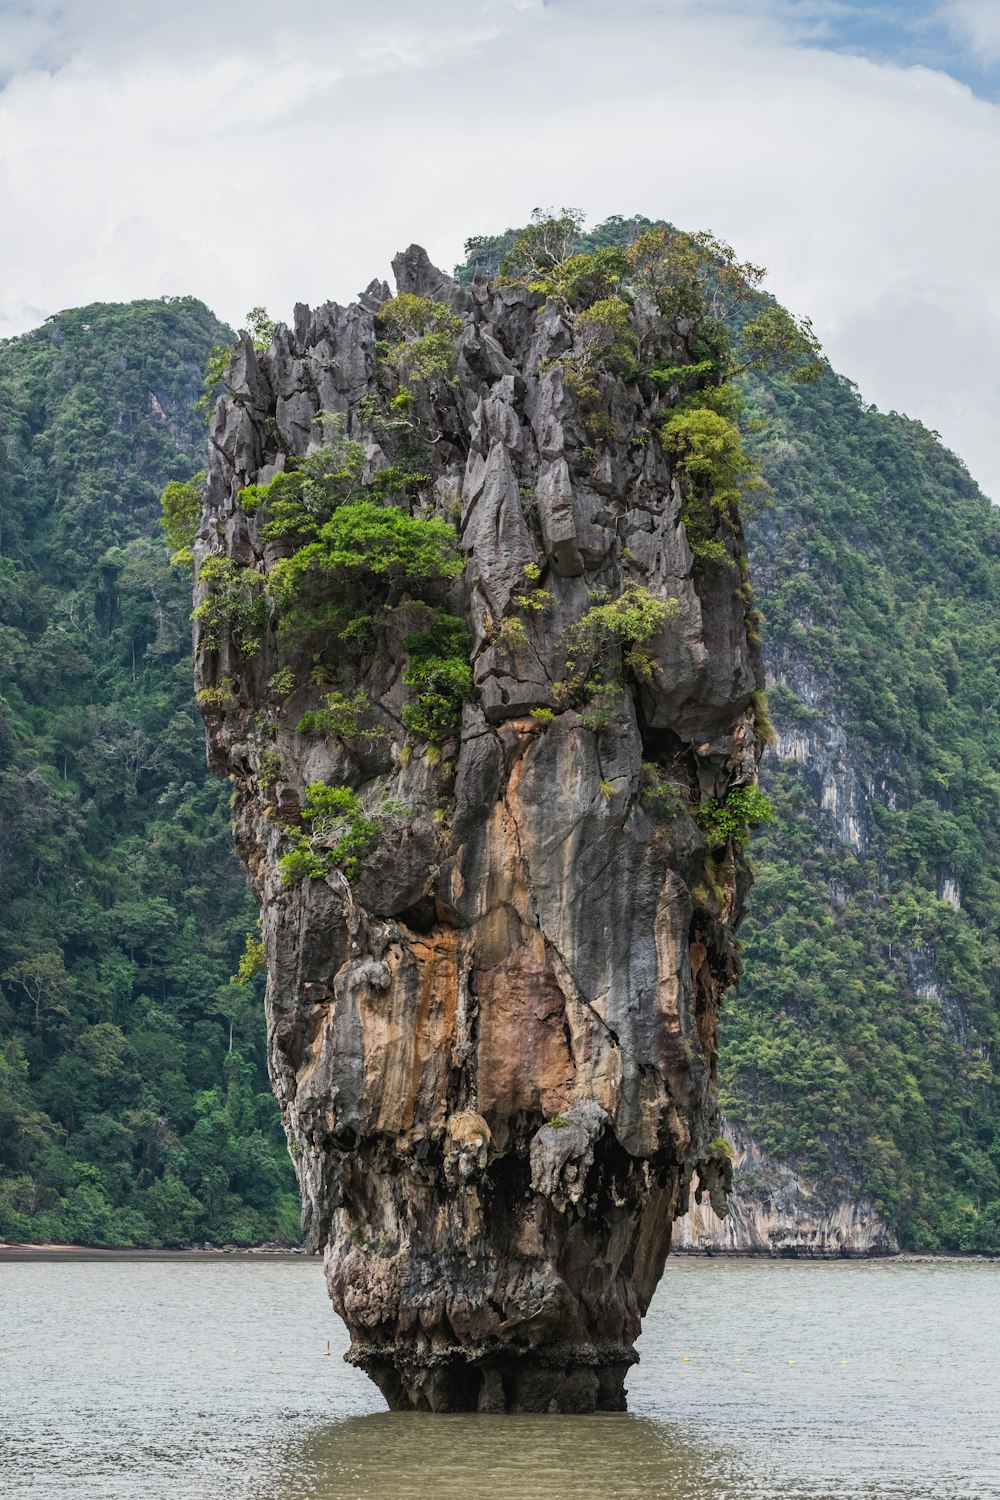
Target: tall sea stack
column 483, row 711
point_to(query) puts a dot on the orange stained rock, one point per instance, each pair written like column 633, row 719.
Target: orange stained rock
column 409, row 1036
column 525, row 1059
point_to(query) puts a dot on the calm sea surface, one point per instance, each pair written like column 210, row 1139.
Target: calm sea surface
column 124, row 1380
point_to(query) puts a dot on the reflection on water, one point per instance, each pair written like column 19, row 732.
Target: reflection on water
column 211, row 1381
column 413, row 1456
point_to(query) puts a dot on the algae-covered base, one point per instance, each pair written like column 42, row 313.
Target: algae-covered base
column 498, row 1382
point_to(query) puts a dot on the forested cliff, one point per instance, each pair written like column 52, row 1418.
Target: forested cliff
column 861, row 1047
column 134, row 1106
column 856, row 1051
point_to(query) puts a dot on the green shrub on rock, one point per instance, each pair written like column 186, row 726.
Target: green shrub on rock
column 334, row 833
column 624, row 623
column 367, row 552
column 181, row 506
column 731, row 820
column 439, row 674
column 421, row 339
column 708, row 455
column 235, row 605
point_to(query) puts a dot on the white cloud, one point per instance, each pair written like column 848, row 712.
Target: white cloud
column 247, row 156
column 977, row 23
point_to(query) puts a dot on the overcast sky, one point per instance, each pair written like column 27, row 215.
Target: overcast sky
column 249, row 152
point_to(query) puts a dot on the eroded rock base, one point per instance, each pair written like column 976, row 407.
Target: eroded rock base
column 500, row 1383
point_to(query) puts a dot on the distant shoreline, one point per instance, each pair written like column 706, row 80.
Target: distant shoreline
column 278, row 1252
column 131, row 1252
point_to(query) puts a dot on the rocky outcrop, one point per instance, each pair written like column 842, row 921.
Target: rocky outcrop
column 775, row 1211
column 493, row 1036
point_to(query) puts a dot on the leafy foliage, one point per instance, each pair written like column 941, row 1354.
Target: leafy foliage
column 661, row 797
column 260, row 326
column 134, row 1104
column 696, row 278
column 731, row 820
column 334, row 834
column 613, row 635
column 366, row 557
column 234, row 605
column 340, row 716
column 715, row 470
column 421, row 339
column 440, row 676
column 181, row 504
column 720, row 328
column 548, row 241
column 860, row 1045
column 297, row 501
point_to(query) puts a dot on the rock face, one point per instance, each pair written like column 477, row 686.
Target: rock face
column 773, row 1211
column 494, row 1048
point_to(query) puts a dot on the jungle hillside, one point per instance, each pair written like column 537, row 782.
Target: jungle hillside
column 134, row 1103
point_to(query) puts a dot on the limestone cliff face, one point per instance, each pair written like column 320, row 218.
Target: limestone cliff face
column 494, row 1050
column 775, row 1211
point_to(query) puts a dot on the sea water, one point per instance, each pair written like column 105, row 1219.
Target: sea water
column 210, row 1380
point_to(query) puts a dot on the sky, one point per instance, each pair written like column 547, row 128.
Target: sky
column 251, row 153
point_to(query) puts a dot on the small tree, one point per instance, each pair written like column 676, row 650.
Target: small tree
column 260, row 326
column 547, row 242
column 181, row 506
column 44, row 980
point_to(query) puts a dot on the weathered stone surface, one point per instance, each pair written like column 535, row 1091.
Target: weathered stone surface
column 495, row 1053
column 774, row 1212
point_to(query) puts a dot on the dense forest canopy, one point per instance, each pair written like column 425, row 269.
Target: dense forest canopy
column 134, row 1105
column 861, row 1043
column 859, row 1046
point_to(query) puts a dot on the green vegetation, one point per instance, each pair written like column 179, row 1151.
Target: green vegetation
column 340, row 716
column 357, row 558
column 420, row 343
column 549, row 257
column 733, row 330
column 233, row 606
column 134, row 1103
column 260, row 326
column 370, row 551
column 365, row 559
column 660, row 796
column 611, row 638
column 715, row 471
column 860, row 1045
column 548, row 241
column 731, row 820
column 181, row 504
column 719, row 328
column 334, row 834
column 439, row 675
column 296, row 502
